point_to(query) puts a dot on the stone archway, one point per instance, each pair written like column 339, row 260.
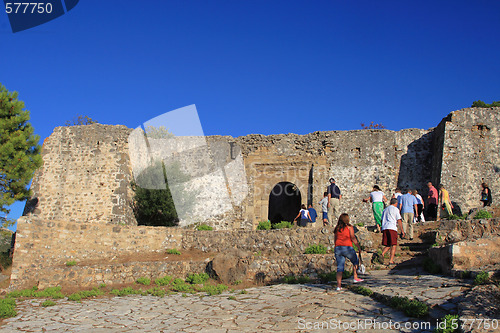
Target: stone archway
column 284, row 202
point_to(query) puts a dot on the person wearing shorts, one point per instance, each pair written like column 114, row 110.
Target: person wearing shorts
column 390, row 220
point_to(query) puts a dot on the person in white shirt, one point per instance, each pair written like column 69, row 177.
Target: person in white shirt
column 324, row 208
column 377, row 198
column 391, row 218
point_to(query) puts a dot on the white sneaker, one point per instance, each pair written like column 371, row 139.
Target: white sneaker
column 339, row 289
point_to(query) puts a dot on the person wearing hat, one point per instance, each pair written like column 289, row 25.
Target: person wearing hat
column 334, row 196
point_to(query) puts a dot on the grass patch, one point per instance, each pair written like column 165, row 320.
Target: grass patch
column 144, row 281
column 47, row 303
column 291, row 279
column 243, row 292
column 481, row 278
column 448, row 324
column 431, row 267
column 125, row 291
column 52, row 292
column 282, row 225
column 197, row 278
column 204, row 227
column 315, row 249
column 264, row 225
column 7, row 308
column 174, row 251
column 232, row 298
column 483, row 214
column 362, row 290
column 214, row 290
column 411, row 307
column 71, row 263
column 78, row 296
column 163, row 281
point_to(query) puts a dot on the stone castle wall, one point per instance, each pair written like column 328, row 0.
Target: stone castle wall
column 87, row 170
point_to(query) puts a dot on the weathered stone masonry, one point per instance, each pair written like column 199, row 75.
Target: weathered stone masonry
column 81, row 208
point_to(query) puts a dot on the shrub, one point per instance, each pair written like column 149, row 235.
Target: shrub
column 451, row 324
column 214, row 290
column 481, row 278
column 481, row 104
column 47, row 303
column 163, row 281
column 197, row 278
column 315, row 249
column 282, row 225
column 125, row 291
column 174, row 251
column 156, row 292
column 52, row 292
column 362, row 290
column 7, row 308
column 411, row 308
column 483, row 214
column 264, row 225
column 84, row 294
column 144, row 281
column 102, row 286
column 71, row 263
column 431, row 267
column 204, row 227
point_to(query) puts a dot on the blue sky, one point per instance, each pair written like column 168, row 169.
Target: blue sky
column 262, row 67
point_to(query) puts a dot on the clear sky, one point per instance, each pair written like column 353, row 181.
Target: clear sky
column 256, row 66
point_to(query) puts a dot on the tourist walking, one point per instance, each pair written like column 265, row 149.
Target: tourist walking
column 407, row 204
column 377, row 198
column 344, row 238
column 304, row 215
column 446, row 204
column 420, row 206
column 397, row 193
column 432, row 202
column 324, row 208
column 391, row 218
column 334, row 196
column 486, row 198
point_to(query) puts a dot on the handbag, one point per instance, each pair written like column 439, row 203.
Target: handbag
column 361, row 268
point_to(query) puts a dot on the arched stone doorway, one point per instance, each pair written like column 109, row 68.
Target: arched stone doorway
column 284, row 202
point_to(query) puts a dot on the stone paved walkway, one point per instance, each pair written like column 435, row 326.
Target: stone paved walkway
column 283, row 308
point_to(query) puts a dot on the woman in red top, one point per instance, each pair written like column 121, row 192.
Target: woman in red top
column 344, row 237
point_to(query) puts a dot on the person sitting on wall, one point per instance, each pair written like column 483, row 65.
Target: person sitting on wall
column 312, row 213
column 305, row 217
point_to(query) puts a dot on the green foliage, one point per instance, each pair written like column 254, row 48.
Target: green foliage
column 71, row 263
column 481, row 278
column 327, row 277
column 156, row 292
column 360, row 224
column 153, row 203
column 174, row 251
column 481, row 104
column 19, row 150
column 232, row 298
column 214, row 290
column 243, row 292
column 204, row 227
column 160, row 132
column 47, row 303
column 78, row 296
column 144, row 281
column 7, row 307
column 237, row 282
column 362, row 290
column 346, row 274
column 52, row 292
column 483, row 214
column 411, row 308
column 315, row 249
column 197, row 278
column 80, row 120
column 451, row 324
column 125, row 291
column 457, row 217
column 431, row 267
column 264, row 225
column 163, row 281
column 291, row 279
column 102, row 286
column 465, row 275
column 282, row 225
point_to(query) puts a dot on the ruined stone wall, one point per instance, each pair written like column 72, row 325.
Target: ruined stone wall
column 85, row 176
column 471, row 152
